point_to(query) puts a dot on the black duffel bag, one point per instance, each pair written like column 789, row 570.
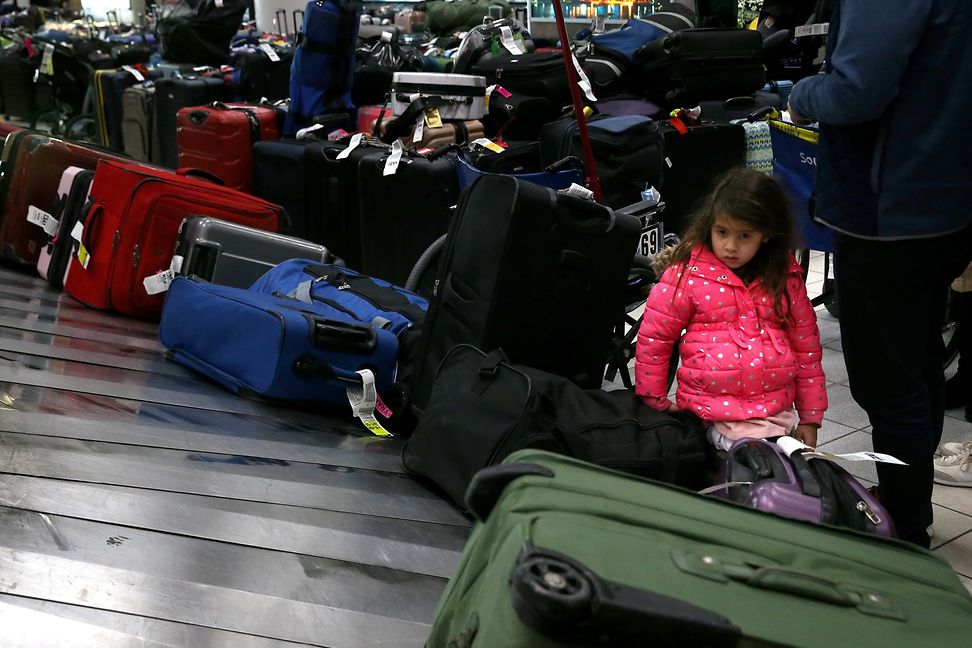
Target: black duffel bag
column 628, row 153
column 482, row 409
column 203, row 38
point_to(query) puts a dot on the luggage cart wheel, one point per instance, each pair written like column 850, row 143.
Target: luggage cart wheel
column 550, row 594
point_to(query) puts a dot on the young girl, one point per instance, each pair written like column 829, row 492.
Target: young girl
column 751, row 348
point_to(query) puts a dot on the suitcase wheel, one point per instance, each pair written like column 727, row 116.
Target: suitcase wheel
column 550, row 593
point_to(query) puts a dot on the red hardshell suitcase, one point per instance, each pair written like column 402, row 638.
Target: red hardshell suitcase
column 219, row 139
column 7, row 128
column 130, row 231
column 32, row 167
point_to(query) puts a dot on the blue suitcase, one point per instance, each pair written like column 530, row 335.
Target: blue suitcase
column 273, row 346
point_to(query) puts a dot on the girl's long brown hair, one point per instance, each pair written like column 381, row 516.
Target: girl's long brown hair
column 759, row 201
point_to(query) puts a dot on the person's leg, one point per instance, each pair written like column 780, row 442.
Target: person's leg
column 958, row 389
column 892, row 300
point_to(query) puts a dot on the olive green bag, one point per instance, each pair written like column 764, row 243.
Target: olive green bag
column 450, row 16
column 566, row 553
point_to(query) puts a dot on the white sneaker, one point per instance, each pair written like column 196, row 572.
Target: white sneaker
column 954, row 448
column 954, row 470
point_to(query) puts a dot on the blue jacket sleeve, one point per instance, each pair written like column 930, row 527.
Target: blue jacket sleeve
column 875, row 41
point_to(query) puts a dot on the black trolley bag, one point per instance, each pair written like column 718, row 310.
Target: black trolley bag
column 170, row 96
column 694, row 64
column 538, row 273
column 569, row 554
column 404, row 212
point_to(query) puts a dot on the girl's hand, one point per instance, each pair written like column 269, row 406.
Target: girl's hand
column 806, row 434
column 672, row 408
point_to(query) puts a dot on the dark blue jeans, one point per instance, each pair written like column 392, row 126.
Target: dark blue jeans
column 892, row 297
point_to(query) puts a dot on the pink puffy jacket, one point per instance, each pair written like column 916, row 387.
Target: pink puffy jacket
column 739, row 359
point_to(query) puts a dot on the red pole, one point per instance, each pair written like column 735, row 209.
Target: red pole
column 593, row 182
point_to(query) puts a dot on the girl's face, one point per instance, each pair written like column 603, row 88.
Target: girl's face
column 734, row 242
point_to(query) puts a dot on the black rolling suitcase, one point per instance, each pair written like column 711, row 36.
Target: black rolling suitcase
column 18, row 91
column 170, row 96
column 537, row 273
column 280, row 177
column 693, row 64
column 110, row 86
column 695, row 159
column 404, row 212
column 257, row 76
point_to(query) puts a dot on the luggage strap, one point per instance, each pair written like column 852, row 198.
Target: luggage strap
column 251, row 117
column 382, row 297
column 402, row 125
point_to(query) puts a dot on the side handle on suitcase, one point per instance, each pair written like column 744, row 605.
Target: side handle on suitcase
column 487, row 485
column 342, row 336
column 200, row 174
column 563, row 600
column 592, row 217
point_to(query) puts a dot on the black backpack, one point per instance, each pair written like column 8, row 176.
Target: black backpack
column 202, row 38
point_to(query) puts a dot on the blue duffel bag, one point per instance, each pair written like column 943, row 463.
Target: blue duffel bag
column 278, row 346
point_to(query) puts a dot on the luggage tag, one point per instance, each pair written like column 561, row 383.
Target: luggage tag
column 303, row 133
column 789, row 445
column 506, row 38
column 47, row 61
column 160, row 281
column 83, row 256
column 816, row 29
column 135, row 73
column 432, row 118
column 579, row 192
column 269, row 51
column 355, row 141
column 364, row 399
column 42, row 219
column 488, row 144
column 391, row 164
column 582, row 80
column 419, row 130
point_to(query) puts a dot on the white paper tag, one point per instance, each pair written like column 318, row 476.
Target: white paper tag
column 789, row 445
column 506, row 38
column 219, row 4
column 305, row 132
column 487, row 143
column 582, row 80
column 77, row 232
column 363, row 400
column 47, row 61
column 668, row 161
column 158, row 283
column 135, row 73
column 176, row 265
column 270, row 52
column 816, row 29
column 42, row 219
column 419, row 130
column 355, row 140
column 391, row 164
column 830, row 270
column 581, row 192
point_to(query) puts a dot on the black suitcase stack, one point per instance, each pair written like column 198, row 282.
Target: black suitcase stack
column 538, row 273
column 170, row 96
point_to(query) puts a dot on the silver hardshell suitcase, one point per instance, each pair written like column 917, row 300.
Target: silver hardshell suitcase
column 228, row 254
column 458, row 96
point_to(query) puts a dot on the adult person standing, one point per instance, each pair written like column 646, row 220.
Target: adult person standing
column 894, row 179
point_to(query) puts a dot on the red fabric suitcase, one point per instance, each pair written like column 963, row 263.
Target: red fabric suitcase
column 6, row 128
column 219, row 139
column 130, row 232
column 32, row 167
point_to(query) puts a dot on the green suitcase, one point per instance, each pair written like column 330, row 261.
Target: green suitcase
column 566, row 553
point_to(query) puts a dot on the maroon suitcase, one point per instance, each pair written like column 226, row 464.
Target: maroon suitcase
column 32, row 166
column 130, row 230
column 219, row 139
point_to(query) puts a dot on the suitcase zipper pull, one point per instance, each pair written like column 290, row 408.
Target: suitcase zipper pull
column 866, row 510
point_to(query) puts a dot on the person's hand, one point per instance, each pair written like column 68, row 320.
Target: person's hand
column 672, row 408
column 797, row 118
column 806, row 434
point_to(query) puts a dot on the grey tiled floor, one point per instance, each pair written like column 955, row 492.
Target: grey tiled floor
column 846, row 429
